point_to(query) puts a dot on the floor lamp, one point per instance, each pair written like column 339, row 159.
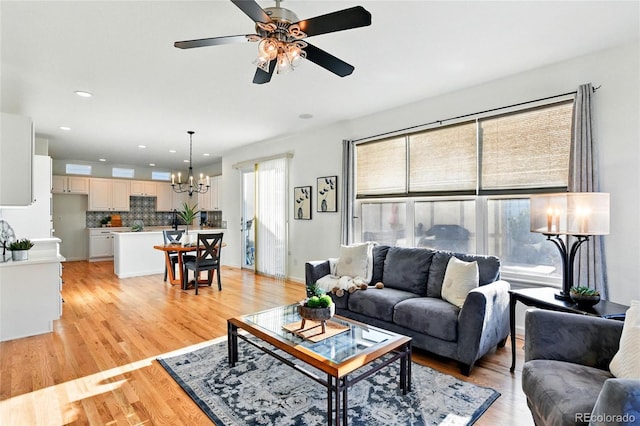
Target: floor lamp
column 570, row 214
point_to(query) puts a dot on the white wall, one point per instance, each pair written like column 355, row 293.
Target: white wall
column 617, row 111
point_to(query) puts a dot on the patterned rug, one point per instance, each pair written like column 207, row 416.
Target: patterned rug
column 260, row 390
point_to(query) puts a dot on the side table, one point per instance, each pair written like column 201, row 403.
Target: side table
column 544, row 298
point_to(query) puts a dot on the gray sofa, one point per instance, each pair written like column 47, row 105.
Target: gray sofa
column 410, row 302
column 566, row 374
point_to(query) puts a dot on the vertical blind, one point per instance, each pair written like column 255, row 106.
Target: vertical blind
column 271, row 207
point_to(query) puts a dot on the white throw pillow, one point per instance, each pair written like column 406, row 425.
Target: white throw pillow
column 459, row 279
column 626, row 362
column 354, row 261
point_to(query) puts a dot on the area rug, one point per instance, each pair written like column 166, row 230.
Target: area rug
column 260, row 390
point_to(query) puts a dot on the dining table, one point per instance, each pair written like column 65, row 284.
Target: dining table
column 180, row 250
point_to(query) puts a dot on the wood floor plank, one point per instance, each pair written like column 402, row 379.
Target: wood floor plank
column 98, row 367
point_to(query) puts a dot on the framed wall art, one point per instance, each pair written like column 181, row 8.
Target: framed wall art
column 327, row 187
column 302, row 202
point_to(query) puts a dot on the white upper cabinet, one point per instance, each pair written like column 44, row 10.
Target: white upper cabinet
column 70, row 185
column 109, row 195
column 210, row 200
column 16, row 160
column 143, row 188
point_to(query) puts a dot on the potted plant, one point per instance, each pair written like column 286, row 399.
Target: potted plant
column 105, row 221
column 188, row 214
column 584, row 296
column 317, row 307
column 20, row 249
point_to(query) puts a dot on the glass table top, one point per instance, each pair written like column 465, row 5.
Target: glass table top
column 357, row 339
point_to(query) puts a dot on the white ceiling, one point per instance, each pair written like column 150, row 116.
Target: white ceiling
column 146, row 92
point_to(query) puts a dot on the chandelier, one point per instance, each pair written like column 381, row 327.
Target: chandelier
column 190, row 185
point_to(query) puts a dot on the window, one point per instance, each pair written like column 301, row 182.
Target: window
column 465, row 187
column 117, row 172
column 78, row 169
column 166, row 176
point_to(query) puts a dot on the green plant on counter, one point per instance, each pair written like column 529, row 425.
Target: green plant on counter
column 23, row 244
column 105, row 220
column 585, row 291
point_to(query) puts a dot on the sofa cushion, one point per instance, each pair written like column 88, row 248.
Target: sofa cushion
column 626, row 362
column 354, row 261
column 556, row 390
column 377, row 303
column 379, row 255
column 488, row 270
column 428, row 315
column 407, row 269
column 459, row 279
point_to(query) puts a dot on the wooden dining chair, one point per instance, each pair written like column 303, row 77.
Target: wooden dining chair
column 207, row 259
column 173, row 237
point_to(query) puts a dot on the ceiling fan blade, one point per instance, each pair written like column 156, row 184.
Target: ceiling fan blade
column 214, row 41
column 328, row 61
column 252, row 10
column 261, row 76
column 346, row 19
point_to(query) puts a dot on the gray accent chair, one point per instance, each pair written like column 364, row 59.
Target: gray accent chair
column 566, row 374
column 411, row 304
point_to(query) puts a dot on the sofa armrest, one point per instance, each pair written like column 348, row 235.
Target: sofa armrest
column 316, row 269
column 562, row 336
column 483, row 321
column 618, row 401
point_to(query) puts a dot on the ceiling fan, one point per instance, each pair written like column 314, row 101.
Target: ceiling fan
column 279, row 34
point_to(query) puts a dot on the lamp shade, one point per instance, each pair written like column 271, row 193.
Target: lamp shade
column 570, row 213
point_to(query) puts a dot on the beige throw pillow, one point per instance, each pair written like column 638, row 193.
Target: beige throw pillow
column 626, row 362
column 353, row 261
column 459, row 279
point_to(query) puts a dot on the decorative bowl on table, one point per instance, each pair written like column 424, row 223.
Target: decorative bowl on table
column 584, row 296
column 317, row 314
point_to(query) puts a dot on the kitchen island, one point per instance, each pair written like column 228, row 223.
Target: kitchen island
column 134, row 255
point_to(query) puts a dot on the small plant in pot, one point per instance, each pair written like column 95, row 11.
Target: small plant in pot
column 20, row 249
column 584, row 296
column 317, row 307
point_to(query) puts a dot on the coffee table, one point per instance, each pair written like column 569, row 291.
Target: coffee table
column 338, row 356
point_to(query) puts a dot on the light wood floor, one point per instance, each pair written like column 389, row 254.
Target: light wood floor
column 98, row 366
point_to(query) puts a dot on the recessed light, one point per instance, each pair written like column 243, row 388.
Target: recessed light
column 206, row 154
column 83, row 94
column 173, row 151
column 65, row 128
column 102, row 159
column 152, row 164
column 185, row 161
column 141, row 146
column 305, row 116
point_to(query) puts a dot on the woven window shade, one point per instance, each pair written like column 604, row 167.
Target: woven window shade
column 443, row 159
column 381, row 167
column 527, row 149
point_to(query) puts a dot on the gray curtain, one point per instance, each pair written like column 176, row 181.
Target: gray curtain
column 590, row 267
column 347, row 207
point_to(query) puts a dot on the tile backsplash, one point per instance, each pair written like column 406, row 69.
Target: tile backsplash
column 144, row 209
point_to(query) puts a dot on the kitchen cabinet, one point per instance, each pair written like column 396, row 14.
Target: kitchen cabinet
column 30, row 289
column 16, row 160
column 167, row 199
column 100, row 244
column 143, row 188
column 70, row 185
column 210, row 200
column 109, row 195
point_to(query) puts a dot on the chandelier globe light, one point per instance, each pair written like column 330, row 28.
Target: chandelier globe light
column 190, row 185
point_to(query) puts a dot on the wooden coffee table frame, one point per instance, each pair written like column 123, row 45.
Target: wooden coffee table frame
column 338, row 378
